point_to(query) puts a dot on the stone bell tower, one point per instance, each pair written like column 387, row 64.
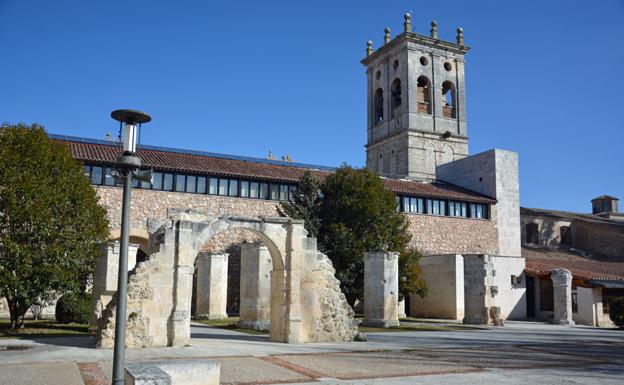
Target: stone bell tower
column 416, row 103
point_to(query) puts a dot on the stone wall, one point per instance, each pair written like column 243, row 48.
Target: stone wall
column 598, row 238
column 549, row 229
column 436, row 235
column 444, row 275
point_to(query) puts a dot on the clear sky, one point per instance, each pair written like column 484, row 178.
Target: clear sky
column 544, row 78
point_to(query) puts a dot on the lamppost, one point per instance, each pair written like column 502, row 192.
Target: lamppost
column 128, row 165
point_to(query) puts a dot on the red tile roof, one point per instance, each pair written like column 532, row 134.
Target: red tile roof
column 540, row 262
column 175, row 160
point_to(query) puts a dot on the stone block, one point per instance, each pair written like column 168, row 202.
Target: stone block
column 173, row 372
column 255, row 287
column 211, row 300
column 381, row 289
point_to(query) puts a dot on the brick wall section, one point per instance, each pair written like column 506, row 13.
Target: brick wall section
column 434, row 235
column 598, row 238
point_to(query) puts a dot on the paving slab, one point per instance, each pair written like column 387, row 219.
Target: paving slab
column 38, row 374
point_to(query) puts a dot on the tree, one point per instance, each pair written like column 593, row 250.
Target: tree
column 410, row 274
column 304, row 204
column 50, row 220
column 358, row 214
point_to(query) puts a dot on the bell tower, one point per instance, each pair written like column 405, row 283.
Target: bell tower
column 416, row 103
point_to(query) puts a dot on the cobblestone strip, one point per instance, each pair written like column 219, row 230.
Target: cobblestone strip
column 295, row 368
column 92, row 373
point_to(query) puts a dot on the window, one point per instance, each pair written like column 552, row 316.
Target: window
column 436, row 207
column 244, row 189
column 274, row 192
column 233, row 189
column 223, row 186
column 458, row 209
column 566, row 235
column 423, row 95
column 546, row 295
column 213, row 187
column 146, row 184
column 413, row 205
column 378, row 109
column 190, row 183
column 108, row 177
column 201, row 184
column 532, row 233
column 478, row 210
column 157, row 181
column 264, row 191
column 395, row 101
column 168, row 182
column 283, row 195
column 253, row 189
column 180, row 180
column 96, row 175
column 291, row 192
column 448, row 99
column 86, row 170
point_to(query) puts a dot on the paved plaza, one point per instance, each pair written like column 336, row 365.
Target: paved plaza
column 518, row 353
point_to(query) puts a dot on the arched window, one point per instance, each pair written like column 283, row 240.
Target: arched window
column 378, row 108
column 449, row 102
column 423, row 93
column 395, row 102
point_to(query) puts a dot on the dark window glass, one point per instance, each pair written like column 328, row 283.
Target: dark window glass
column 254, row 188
column 157, row 181
column 190, row 183
column 168, row 182
column 274, row 191
column 108, row 178
column 180, row 181
column 244, row 188
column 233, row 190
column 135, row 183
column 201, row 184
column 291, row 193
column 87, row 171
column 264, row 191
column 283, row 194
column 223, row 186
column 213, row 187
column 146, row 185
column 96, row 175
column 546, row 295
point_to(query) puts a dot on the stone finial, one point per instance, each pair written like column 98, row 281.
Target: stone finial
column 369, row 48
column 407, row 22
column 387, row 37
column 271, row 156
column 460, row 36
column 434, row 29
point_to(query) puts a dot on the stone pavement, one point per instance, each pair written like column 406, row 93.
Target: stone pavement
column 518, row 353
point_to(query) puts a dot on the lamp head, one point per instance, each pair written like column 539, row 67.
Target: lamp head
column 130, row 119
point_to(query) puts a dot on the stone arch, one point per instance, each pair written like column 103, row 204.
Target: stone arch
column 430, row 158
column 446, row 155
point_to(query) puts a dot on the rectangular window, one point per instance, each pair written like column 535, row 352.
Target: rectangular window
column 264, row 191
column 146, row 185
column 233, row 190
column 168, row 182
column 96, row 175
column 213, row 187
column 436, row 207
column 254, row 188
column 244, row 188
column 87, row 171
column 291, row 192
column 477, row 211
column 180, row 181
column 190, row 183
column 223, row 186
column 283, row 192
column 274, row 191
column 201, row 184
column 457, row 209
column 157, row 181
column 108, row 177
column 406, row 204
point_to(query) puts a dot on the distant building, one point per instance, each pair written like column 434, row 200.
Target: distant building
column 590, row 246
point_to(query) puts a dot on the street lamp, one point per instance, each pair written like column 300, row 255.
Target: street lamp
column 128, row 165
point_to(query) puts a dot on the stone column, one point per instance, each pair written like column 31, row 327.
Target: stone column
column 478, row 290
column 381, row 289
column 211, row 298
column 562, row 292
column 255, row 286
column 402, row 309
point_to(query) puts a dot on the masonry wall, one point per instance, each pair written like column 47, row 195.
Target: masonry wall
column 549, row 229
column 444, row 275
column 598, row 238
column 511, row 298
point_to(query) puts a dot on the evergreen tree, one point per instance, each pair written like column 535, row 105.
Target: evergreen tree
column 50, row 220
column 304, row 204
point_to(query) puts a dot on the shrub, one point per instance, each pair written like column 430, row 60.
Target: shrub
column 74, row 308
column 616, row 312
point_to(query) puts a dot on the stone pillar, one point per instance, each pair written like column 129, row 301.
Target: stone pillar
column 401, row 311
column 105, row 277
column 255, row 286
column 381, row 289
column 562, row 291
column 479, row 293
column 211, row 298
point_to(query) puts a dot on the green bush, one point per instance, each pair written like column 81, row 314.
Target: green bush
column 74, row 308
column 616, row 312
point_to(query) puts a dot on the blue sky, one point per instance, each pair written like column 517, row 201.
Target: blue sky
column 544, row 78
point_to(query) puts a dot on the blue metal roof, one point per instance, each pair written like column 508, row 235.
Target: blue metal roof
column 78, row 139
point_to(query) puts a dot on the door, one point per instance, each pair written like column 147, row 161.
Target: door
column 530, row 296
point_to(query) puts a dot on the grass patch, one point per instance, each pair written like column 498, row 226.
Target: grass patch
column 230, row 323
column 43, row 328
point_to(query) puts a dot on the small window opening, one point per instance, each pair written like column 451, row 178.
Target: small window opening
column 424, row 61
column 378, row 106
column 423, row 92
column 448, row 100
column 395, row 65
column 448, row 66
column 532, row 233
column 395, row 91
column 566, row 235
